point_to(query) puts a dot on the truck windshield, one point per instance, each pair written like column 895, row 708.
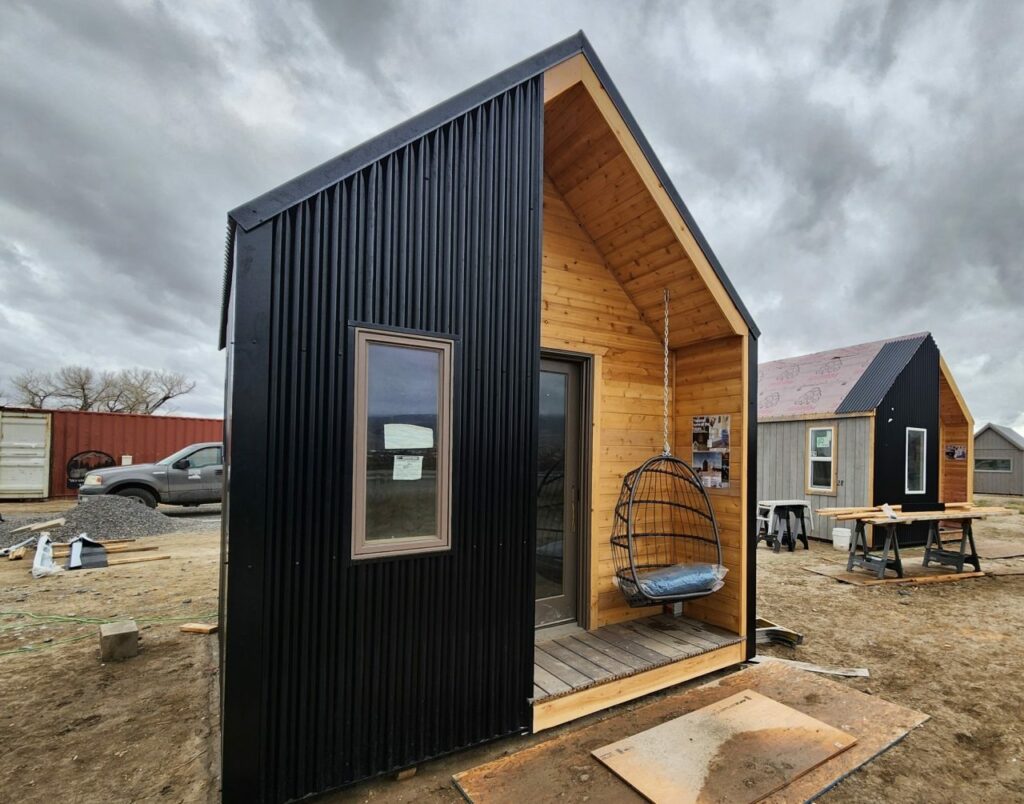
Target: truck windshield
column 181, row 453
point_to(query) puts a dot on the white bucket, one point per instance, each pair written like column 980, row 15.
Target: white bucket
column 841, row 538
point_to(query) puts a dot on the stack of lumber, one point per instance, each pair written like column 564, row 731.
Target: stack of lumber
column 875, row 513
column 62, row 550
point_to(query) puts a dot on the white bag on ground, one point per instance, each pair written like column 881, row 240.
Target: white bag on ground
column 43, row 564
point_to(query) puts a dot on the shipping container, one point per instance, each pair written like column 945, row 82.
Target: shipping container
column 69, row 443
column 24, row 454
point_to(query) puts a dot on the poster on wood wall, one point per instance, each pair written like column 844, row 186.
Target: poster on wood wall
column 711, row 450
column 956, row 452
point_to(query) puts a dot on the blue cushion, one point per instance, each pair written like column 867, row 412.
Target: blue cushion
column 682, row 579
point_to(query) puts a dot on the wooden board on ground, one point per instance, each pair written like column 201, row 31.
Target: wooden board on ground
column 739, row 749
column 530, row 774
column 110, row 548
column 912, row 574
column 990, row 548
column 113, row 562
column 198, row 628
column 50, row 523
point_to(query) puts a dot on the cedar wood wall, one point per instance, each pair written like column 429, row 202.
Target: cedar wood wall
column 953, row 429
column 585, row 310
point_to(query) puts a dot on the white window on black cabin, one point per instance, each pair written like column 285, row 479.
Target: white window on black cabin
column 917, row 449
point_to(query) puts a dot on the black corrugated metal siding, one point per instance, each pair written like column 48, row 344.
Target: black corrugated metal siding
column 912, row 401
column 872, row 386
column 336, row 671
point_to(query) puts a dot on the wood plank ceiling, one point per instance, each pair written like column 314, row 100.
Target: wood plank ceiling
column 586, row 162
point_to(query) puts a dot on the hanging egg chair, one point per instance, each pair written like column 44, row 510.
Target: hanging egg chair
column 665, row 542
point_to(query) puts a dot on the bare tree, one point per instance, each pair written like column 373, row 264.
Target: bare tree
column 146, row 391
column 32, row 389
column 81, row 388
column 135, row 390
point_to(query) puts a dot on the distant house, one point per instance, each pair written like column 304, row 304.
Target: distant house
column 863, row 425
column 998, row 460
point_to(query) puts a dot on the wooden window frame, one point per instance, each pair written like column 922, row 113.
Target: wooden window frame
column 994, row 471
column 362, row 548
column 832, row 490
column 924, row 461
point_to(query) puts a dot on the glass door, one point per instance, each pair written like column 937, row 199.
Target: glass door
column 558, row 493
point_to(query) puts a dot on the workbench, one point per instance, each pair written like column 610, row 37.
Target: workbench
column 770, row 513
column 935, row 551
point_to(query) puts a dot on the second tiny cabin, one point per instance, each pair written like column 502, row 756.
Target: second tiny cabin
column 878, row 422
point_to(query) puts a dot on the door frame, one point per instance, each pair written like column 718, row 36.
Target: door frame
column 585, row 364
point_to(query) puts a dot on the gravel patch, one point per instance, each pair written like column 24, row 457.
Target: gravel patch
column 107, row 517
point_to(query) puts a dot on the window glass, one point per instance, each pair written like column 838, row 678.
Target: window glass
column 916, row 441
column 402, row 429
column 207, row 456
column 819, row 458
column 821, row 474
column 993, row 464
column 821, row 443
column 401, row 447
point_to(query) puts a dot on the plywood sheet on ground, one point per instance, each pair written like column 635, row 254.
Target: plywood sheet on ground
column 739, row 749
column 1005, row 567
column 530, row 774
column 993, row 548
column 987, row 548
column 913, row 573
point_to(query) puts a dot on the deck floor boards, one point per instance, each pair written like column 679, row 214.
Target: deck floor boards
column 566, row 664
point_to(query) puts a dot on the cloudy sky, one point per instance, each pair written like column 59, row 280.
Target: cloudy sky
column 858, row 167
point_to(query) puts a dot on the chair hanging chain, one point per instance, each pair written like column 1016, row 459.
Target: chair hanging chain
column 664, row 410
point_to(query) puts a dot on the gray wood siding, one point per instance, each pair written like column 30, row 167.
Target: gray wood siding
column 992, row 445
column 782, row 471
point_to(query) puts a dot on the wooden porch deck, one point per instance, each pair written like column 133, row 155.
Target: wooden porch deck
column 567, row 664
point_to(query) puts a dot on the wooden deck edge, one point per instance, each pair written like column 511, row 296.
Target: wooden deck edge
column 551, row 712
column 601, row 681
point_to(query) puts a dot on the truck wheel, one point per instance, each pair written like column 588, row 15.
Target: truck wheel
column 138, row 495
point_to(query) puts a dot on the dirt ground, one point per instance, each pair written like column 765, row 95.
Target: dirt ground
column 73, row 729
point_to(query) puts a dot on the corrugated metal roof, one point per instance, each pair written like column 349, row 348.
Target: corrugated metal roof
column 1009, row 434
column 832, row 381
column 878, row 378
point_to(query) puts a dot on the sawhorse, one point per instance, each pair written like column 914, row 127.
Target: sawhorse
column 876, row 563
column 935, row 551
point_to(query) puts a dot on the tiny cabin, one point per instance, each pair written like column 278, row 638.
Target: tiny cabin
column 879, row 422
column 446, row 351
column 998, row 460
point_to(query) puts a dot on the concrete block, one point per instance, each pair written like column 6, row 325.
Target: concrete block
column 119, row 641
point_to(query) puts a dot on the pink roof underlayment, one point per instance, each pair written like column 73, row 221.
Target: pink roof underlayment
column 814, row 384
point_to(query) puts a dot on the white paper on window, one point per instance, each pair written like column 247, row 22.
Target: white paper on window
column 408, row 436
column 407, row 467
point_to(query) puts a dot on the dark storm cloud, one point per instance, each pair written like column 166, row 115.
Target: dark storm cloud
column 856, row 166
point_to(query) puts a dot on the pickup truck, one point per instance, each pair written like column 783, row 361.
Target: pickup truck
column 191, row 476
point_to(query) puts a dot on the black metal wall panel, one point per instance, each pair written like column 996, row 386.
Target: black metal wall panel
column 335, row 671
column 911, row 401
